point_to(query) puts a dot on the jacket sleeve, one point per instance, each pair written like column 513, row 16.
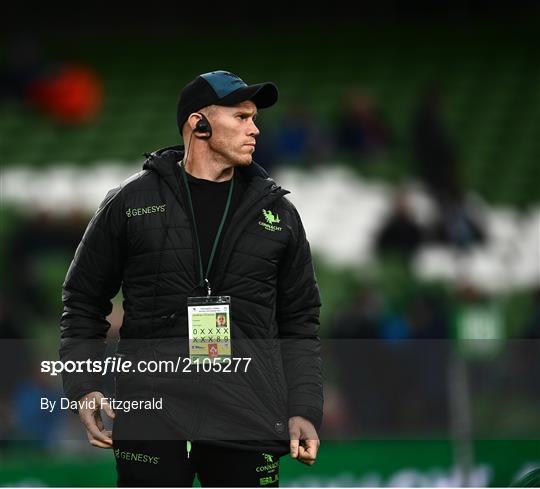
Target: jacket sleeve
column 298, row 322
column 93, row 279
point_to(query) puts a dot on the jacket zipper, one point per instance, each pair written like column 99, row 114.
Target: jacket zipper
column 271, row 195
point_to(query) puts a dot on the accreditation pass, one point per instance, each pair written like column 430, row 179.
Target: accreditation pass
column 209, row 323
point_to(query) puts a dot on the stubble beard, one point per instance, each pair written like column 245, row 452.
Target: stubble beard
column 235, row 160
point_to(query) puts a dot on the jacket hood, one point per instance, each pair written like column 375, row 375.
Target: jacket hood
column 161, row 161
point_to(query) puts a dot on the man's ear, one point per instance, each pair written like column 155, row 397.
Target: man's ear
column 202, row 128
column 193, row 119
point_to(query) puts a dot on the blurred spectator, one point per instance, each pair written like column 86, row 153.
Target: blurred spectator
column 73, row 94
column 400, row 234
column 361, row 131
column 376, row 360
column 22, row 67
column 299, row 138
column 427, row 317
column 421, row 317
column 40, row 236
column 361, row 318
column 68, row 93
column 437, row 167
column 459, row 224
column 40, row 426
column 355, row 355
column 436, row 160
column 14, row 363
column 434, row 152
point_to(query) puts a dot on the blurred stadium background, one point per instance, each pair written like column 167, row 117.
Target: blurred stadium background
column 409, row 141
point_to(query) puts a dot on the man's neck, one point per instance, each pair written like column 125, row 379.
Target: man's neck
column 209, row 170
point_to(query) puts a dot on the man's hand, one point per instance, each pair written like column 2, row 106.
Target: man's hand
column 98, row 436
column 304, row 440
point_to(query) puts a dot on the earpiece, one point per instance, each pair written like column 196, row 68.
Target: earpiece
column 203, row 125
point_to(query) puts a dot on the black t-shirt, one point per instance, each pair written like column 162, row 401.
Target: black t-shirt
column 209, row 200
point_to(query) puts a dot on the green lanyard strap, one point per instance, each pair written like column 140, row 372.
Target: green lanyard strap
column 203, row 277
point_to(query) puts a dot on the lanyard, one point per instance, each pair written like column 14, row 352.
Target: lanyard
column 203, row 277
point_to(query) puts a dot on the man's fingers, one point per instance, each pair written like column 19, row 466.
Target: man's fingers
column 98, row 444
column 307, row 452
column 294, row 445
column 94, row 432
column 304, row 457
column 312, row 446
column 304, row 440
column 108, row 409
column 100, row 436
column 307, row 455
column 99, row 421
column 91, row 419
column 294, row 435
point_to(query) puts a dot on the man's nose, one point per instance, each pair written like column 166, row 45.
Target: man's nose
column 254, row 130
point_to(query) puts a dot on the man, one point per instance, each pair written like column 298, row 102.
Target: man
column 197, row 233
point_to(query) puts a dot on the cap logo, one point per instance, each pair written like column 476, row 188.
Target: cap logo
column 223, row 82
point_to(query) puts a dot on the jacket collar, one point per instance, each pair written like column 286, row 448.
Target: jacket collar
column 165, row 163
column 162, row 161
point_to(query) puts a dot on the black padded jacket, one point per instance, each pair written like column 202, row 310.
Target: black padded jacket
column 141, row 239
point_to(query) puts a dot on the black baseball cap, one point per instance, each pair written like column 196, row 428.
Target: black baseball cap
column 222, row 88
